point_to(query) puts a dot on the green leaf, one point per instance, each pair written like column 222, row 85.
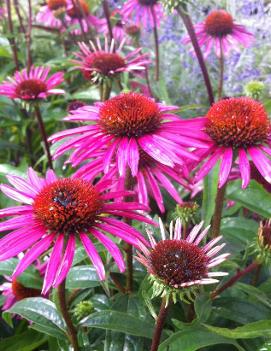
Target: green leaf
column 254, row 197
column 8, row 267
column 238, row 232
column 194, row 338
column 203, row 306
column 240, row 310
column 81, row 277
column 43, row 314
column 251, row 330
column 120, row 322
column 209, row 195
column 255, row 293
column 27, row 341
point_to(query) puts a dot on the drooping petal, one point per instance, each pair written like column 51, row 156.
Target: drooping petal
column 244, row 167
column 111, row 247
column 93, row 255
column 40, row 247
column 66, row 262
column 53, row 264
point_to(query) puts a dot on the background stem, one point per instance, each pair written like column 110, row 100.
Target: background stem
column 65, row 313
column 107, row 17
column 43, row 135
column 156, row 44
column 11, row 36
column 28, row 36
column 159, row 325
column 191, row 32
column 235, row 278
column 221, row 74
column 218, row 211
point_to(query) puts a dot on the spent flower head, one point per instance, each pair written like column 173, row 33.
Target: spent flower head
column 178, row 265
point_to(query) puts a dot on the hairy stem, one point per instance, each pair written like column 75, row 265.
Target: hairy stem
column 159, row 325
column 221, row 72
column 107, row 17
column 216, row 221
column 235, row 278
column 11, row 36
column 43, row 135
column 156, row 44
column 72, row 334
column 191, row 32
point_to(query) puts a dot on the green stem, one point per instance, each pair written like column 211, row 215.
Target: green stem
column 72, row 334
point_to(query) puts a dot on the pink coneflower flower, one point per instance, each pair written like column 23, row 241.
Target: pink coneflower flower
column 34, row 85
column 143, row 12
column 221, row 32
column 63, row 210
column 108, row 61
column 235, row 130
column 176, row 262
column 50, row 15
column 64, row 14
column 124, row 128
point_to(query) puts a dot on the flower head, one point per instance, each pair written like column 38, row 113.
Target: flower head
column 235, row 130
column 58, row 211
column 129, row 130
column 98, row 63
column 179, row 265
column 146, row 12
column 219, row 30
column 33, row 85
column 67, row 13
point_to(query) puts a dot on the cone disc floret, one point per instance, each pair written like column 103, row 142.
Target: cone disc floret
column 131, row 115
column 176, row 262
column 237, row 122
column 67, row 205
column 31, row 88
column 103, row 62
column 219, row 23
column 56, row 4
